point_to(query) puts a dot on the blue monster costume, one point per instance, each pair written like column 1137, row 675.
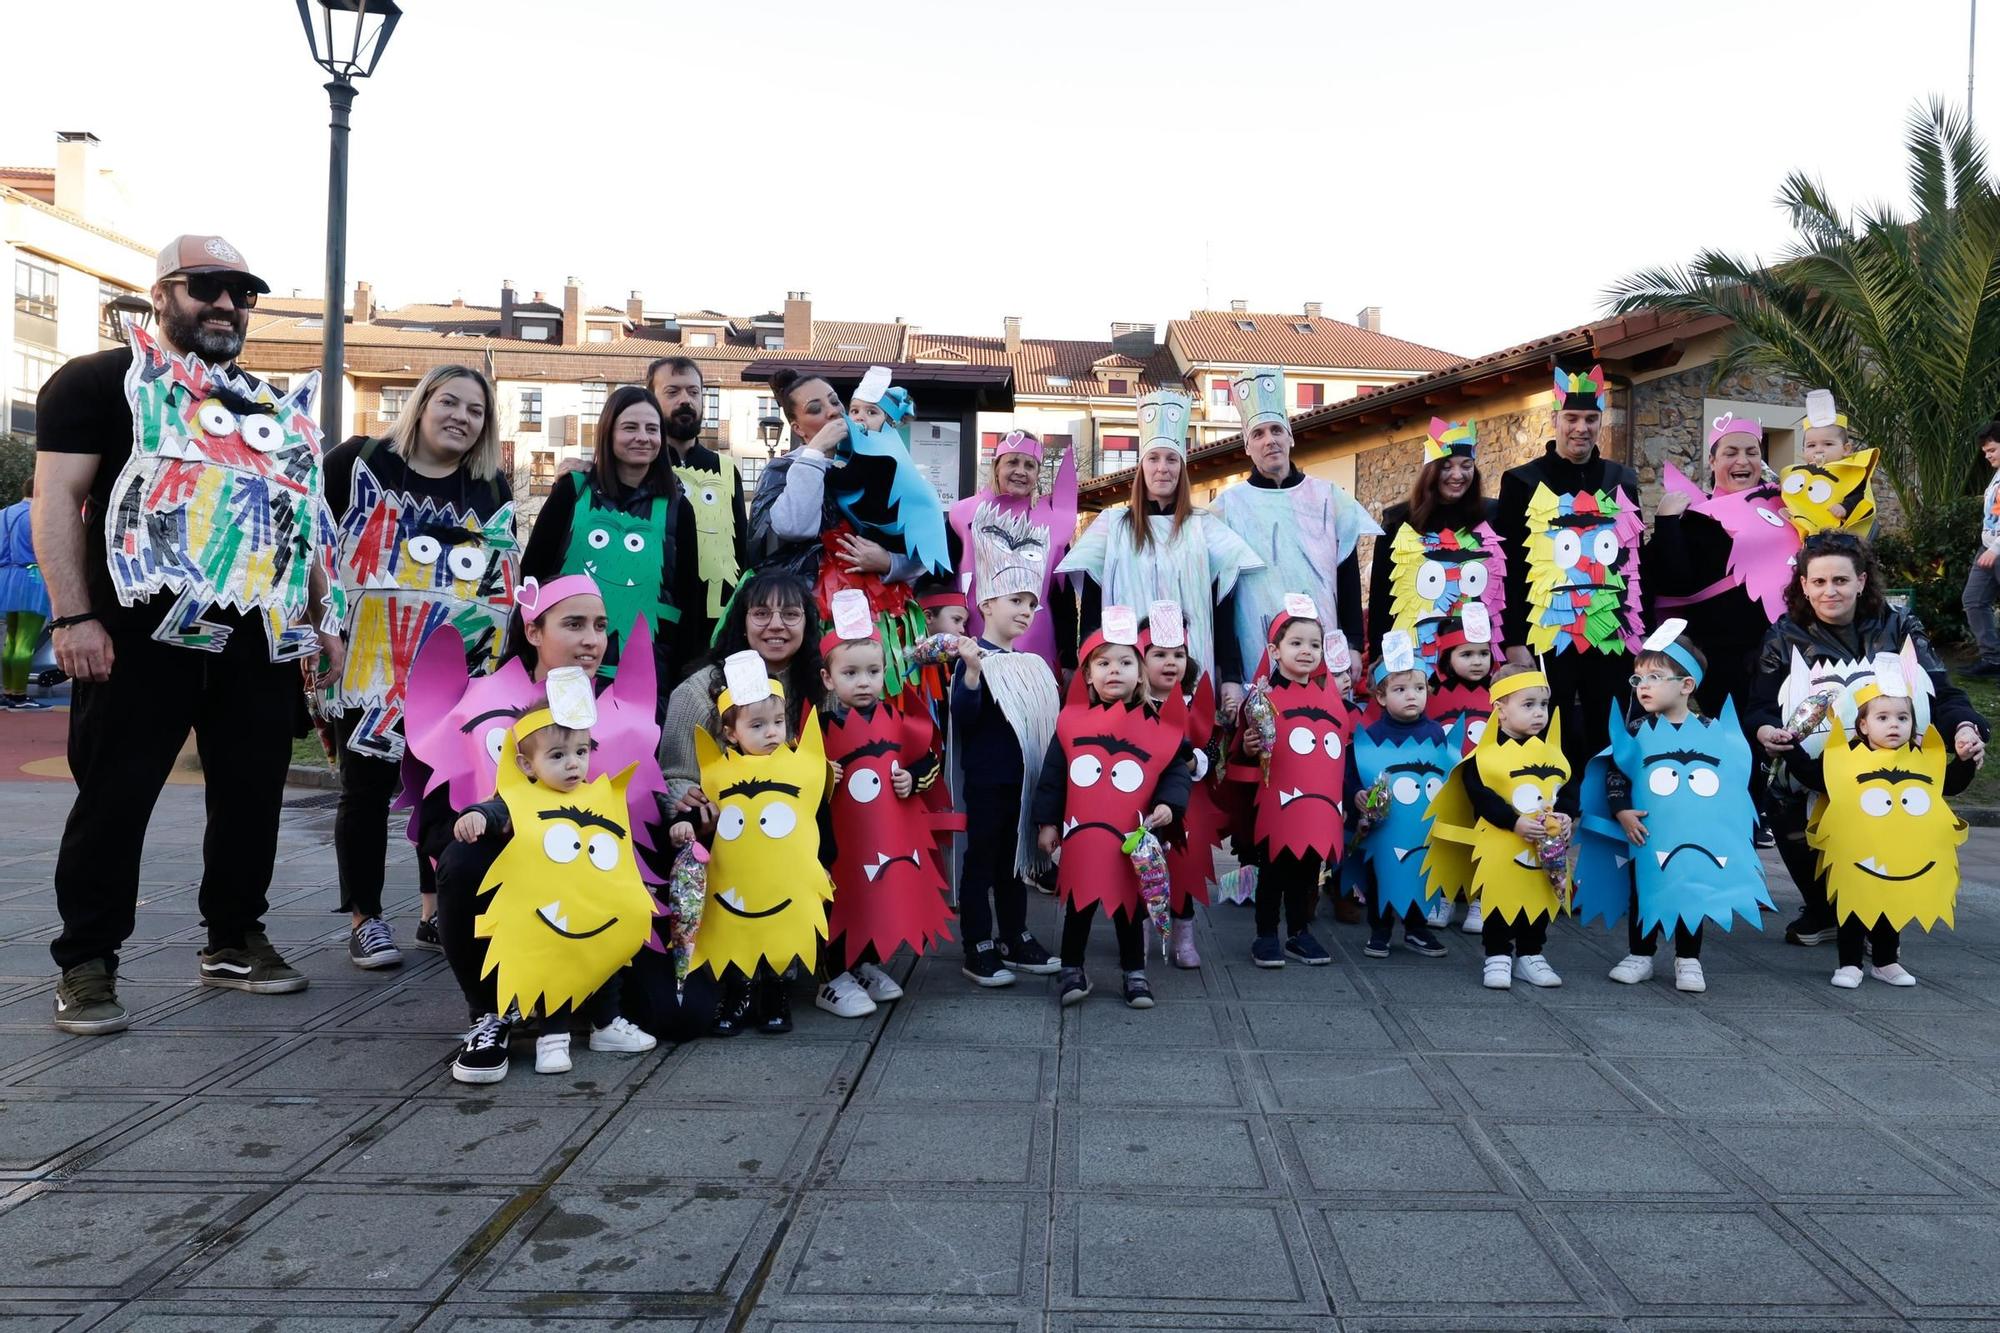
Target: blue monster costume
column 882, row 492
column 1692, row 780
column 1416, row 763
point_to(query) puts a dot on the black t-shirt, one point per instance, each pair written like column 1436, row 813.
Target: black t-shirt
column 82, row 409
column 458, row 490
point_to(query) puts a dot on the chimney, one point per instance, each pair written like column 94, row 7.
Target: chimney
column 798, row 321
column 1312, row 310
column 1239, row 307
column 364, row 303
column 1012, row 324
column 458, row 301
column 635, row 309
column 572, row 325
column 1370, row 318
column 507, row 329
column 76, row 172
column 1133, row 339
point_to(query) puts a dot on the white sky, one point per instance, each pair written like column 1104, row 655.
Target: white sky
column 1480, row 171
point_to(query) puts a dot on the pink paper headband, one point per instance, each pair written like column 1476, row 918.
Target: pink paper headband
column 1018, row 442
column 1731, row 424
column 535, row 597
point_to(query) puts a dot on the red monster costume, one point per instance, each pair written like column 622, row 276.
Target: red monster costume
column 888, row 890
column 1300, row 809
column 1114, row 756
column 1191, row 855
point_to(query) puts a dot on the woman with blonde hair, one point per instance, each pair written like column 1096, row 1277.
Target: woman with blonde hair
column 426, row 522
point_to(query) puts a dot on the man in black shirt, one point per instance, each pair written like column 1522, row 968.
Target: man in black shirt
column 145, row 678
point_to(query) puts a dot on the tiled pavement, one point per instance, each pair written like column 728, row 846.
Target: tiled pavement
column 1371, row 1146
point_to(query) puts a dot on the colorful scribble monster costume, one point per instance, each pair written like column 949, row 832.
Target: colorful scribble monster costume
column 1583, row 572
column 222, row 503
column 411, row 568
column 1433, row 574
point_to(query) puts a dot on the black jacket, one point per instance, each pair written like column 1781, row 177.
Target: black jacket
column 1517, row 487
column 1859, row 642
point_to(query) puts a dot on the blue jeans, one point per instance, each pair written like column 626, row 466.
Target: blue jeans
column 1981, row 587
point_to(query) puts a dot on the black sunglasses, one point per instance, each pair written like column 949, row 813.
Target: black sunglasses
column 206, row 287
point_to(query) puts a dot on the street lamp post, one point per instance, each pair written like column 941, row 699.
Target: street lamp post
column 347, row 41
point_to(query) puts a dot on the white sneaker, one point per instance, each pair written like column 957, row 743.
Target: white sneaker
column 843, row 998
column 623, row 1037
column 1535, row 970
column 1687, row 975
column 1847, row 978
column 881, row 987
column 1474, row 919
column 552, row 1053
column 1439, row 917
column 1634, row 968
column 1893, row 973
column 1499, row 974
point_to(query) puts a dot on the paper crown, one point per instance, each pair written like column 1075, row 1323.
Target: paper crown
column 1398, row 654
column 873, row 385
column 1163, row 422
column 1259, row 395
column 1120, row 627
column 1018, row 442
column 1010, row 552
column 1580, row 393
column 852, row 620
column 1514, row 684
column 746, row 680
column 1821, row 411
column 1899, row 676
column 572, row 699
column 1296, row 606
column 1667, row 639
column 1450, row 439
column 1165, row 626
column 1731, row 424
column 534, row 596
column 1339, row 657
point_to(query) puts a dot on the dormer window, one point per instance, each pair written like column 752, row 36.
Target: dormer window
column 1247, row 325
column 1303, row 328
column 1058, row 381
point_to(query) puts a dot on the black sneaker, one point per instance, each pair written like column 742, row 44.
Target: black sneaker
column 1307, row 950
column 1073, row 985
column 370, row 945
column 1265, row 951
column 774, row 1007
column 1809, row 929
column 1138, row 994
column 1378, row 944
column 1418, row 939
column 983, row 966
column 732, row 1005
column 87, row 1000
column 256, row 967
column 427, row 935
column 482, row 1057
column 1028, row 955
column 1764, row 839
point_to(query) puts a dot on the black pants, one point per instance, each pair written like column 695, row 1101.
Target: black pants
column 1076, row 938
column 124, row 734
column 1886, row 940
column 1584, row 687
column 1687, row 944
column 1290, row 880
column 992, row 827
column 1788, row 822
column 1732, row 670
column 1382, row 921
column 361, row 825
column 1502, row 938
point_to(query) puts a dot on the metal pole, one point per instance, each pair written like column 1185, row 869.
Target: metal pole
column 340, row 99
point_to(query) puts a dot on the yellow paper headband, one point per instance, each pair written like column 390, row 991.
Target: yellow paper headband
column 723, row 701
column 1526, row 680
column 1839, row 419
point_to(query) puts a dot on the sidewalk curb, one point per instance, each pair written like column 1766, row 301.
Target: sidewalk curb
column 312, row 775
column 1979, row 816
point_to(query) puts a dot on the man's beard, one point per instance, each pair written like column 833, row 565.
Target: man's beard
column 682, row 424
column 186, row 332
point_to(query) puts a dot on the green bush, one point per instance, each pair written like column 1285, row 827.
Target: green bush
column 1929, row 555
column 17, row 464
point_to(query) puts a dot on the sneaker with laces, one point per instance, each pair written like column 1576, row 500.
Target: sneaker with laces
column 732, row 1005
column 1420, row 940
column 621, row 1036
column 552, row 1053
column 881, row 987
column 984, row 968
column 1265, row 951
column 256, row 967
column 1893, row 973
column 1438, row 916
column 1807, row 929
column 843, row 998
column 87, row 1000
column 1535, row 970
column 427, row 935
column 1073, row 985
column 1688, row 977
column 482, row 1056
column 1138, row 991
column 1180, row 945
column 1305, row 948
column 371, row 945
column 1027, row 955
column 1378, row 943
column 774, row 1006
column 1498, row 973
column 1632, row 969
column 1847, row 978
column 1475, row 919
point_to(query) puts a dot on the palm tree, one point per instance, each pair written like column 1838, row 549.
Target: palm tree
column 1900, row 318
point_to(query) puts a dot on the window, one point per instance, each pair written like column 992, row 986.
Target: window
column 1311, row 395
column 767, row 406
column 32, row 368
column 1058, row 381
column 598, row 336
column 1118, row 387
column 35, row 288
column 531, row 410
column 541, row 471
column 1116, row 453
column 711, row 406
column 593, row 399
column 701, row 340
column 394, row 400
column 1246, row 325
column 1364, row 390
column 774, row 342
column 749, row 469
column 1303, row 328
column 535, row 333
column 1218, row 393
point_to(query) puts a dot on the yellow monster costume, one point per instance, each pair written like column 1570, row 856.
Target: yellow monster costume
column 1811, row 490
column 711, row 494
column 1887, row 842
column 1467, row 855
column 567, row 908
column 767, row 891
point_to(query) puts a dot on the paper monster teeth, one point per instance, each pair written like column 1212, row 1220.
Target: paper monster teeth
column 1069, row 826
column 734, row 898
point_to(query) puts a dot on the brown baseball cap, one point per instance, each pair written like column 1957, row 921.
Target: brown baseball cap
column 205, row 254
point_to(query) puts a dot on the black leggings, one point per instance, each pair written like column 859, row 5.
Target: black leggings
column 1076, row 938
column 1381, row 920
column 1290, row 880
column 1686, row 944
column 1502, row 937
column 1886, row 939
column 1788, row 824
column 992, row 829
column 361, row 825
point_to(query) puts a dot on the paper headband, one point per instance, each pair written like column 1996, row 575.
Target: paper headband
column 534, row 596
column 1119, row 628
column 1165, row 626
column 1450, row 439
column 939, row 601
column 1525, row 680
column 746, row 680
column 1398, row 654
column 1018, row 442
column 1731, row 424
column 1667, row 639
column 1473, row 624
column 1580, row 393
column 1888, row 681
column 852, row 621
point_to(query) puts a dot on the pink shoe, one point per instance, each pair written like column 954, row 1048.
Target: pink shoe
column 1181, row 943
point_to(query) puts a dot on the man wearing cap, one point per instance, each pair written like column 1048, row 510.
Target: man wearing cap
column 161, row 638
column 1569, row 522
column 1304, row 528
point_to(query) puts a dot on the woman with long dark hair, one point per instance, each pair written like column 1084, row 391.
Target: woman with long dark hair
column 1421, row 577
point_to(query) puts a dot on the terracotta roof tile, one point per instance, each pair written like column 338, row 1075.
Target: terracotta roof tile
column 854, row 340
column 1040, row 359
column 1214, row 337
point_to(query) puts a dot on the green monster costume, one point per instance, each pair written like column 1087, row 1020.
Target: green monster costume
column 710, row 494
column 623, row 553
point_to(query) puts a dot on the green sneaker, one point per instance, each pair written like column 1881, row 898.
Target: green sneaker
column 256, row 967
column 87, row 1000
